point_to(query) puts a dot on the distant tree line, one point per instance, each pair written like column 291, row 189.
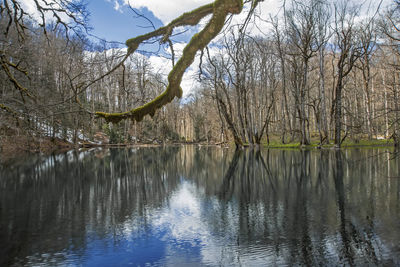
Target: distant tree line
column 322, row 71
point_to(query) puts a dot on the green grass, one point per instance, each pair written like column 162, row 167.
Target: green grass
column 362, row 143
column 345, row 144
column 275, row 144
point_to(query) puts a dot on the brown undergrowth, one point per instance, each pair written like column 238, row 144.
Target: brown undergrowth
column 17, row 147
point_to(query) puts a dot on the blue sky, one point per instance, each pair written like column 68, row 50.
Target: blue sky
column 113, row 20
column 117, row 25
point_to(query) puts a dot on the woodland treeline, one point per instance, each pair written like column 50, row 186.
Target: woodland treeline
column 320, row 72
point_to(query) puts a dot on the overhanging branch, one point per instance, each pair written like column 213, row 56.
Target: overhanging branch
column 219, row 10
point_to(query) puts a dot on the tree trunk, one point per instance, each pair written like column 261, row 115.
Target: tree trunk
column 303, row 115
column 385, row 105
column 338, row 111
column 396, row 106
column 324, row 138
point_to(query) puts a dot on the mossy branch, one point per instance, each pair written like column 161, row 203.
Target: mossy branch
column 5, row 65
column 219, row 10
column 11, row 111
column 6, row 108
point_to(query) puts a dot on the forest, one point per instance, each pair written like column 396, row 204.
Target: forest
column 323, row 72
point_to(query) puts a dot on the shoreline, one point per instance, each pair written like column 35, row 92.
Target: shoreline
column 21, row 147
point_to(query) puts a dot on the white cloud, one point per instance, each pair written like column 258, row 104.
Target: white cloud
column 30, row 8
column 117, row 6
column 167, row 10
column 163, row 66
column 264, row 10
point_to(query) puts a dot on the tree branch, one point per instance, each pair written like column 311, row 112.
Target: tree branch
column 220, row 9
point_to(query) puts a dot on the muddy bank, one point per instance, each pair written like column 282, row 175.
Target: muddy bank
column 13, row 148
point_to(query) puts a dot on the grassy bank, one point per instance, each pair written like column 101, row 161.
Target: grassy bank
column 345, row 144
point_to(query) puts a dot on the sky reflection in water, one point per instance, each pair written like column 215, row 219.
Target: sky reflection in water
column 209, row 206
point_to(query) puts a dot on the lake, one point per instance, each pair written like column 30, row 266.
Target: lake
column 201, row 206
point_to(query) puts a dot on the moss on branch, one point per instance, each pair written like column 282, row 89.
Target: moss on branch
column 23, row 91
column 6, row 108
column 10, row 110
column 219, row 10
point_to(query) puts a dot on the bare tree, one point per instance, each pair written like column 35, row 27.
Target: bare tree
column 302, row 33
column 348, row 52
column 323, row 35
column 280, row 47
column 367, row 39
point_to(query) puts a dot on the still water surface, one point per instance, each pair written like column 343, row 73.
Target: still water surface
column 194, row 206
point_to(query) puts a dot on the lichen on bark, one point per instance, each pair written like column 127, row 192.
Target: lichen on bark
column 219, row 10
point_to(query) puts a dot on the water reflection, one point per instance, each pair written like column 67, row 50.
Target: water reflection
column 207, row 206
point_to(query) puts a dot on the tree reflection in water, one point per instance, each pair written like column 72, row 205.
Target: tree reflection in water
column 177, row 205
